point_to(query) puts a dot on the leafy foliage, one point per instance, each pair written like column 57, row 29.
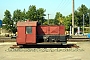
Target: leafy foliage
column 17, row 15
column 8, row 21
column 35, row 14
column 79, row 15
column 32, row 13
column 68, row 22
column 40, row 15
column 59, row 18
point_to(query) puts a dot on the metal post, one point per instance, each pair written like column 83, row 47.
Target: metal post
column 83, row 24
column 48, row 19
column 89, row 26
column 72, row 17
column 89, row 21
column 1, row 30
column 70, row 30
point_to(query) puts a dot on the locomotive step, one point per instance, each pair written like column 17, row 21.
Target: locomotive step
column 16, row 46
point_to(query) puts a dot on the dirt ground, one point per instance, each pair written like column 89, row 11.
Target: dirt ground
column 82, row 53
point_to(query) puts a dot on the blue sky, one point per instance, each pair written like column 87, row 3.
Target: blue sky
column 51, row 6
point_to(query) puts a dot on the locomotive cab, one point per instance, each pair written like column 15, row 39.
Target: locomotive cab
column 26, row 32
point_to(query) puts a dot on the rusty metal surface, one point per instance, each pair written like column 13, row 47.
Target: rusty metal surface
column 51, row 30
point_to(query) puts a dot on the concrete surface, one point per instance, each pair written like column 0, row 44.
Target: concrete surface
column 82, row 53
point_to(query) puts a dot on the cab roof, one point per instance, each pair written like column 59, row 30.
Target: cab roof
column 27, row 23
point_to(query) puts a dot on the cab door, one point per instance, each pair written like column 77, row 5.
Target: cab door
column 30, row 35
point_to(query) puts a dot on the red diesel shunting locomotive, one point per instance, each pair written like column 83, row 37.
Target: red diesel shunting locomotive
column 31, row 32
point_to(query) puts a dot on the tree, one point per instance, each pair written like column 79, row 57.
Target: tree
column 8, row 21
column 76, row 19
column 79, row 14
column 17, row 15
column 58, row 18
column 23, row 14
column 45, row 22
column 51, row 21
column 89, row 16
column 32, row 13
column 40, row 15
column 67, row 21
column 36, row 14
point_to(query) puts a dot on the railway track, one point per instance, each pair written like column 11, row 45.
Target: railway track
column 78, row 39
column 46, row 46
column 7, row 40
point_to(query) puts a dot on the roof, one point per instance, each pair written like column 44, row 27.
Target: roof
column 31, row 23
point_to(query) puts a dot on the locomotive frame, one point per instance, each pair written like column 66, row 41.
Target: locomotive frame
column 30, row 33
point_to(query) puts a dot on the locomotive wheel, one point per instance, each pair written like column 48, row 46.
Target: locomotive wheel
column 45, row 40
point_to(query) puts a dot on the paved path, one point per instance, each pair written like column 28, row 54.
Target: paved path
column 82, row 53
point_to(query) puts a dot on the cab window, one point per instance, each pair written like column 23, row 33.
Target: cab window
column 28, row 30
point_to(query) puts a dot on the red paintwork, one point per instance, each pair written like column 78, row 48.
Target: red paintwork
column 51, row 30
column 62, row 30
column 24, row 38
column 21, row 35
column 42, row 30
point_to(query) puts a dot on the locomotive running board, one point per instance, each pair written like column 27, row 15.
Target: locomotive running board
column 46, row 46
column 50, row 43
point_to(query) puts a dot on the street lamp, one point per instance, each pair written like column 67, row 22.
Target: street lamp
column 89, row 26
column 89, row 21
column 83, row 24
